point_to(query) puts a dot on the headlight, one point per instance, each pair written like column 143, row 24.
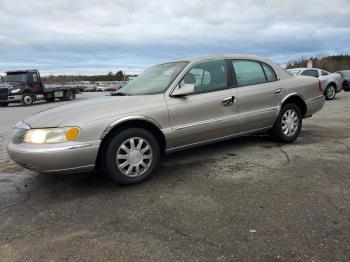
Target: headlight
column 14, row 91
column 51, row 135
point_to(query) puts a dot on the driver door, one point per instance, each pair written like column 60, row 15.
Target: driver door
column 35, row 83
column 209, row 113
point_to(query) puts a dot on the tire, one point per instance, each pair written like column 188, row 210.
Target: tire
column 288, row 124
column 27, row 99
column 4, row 104
column 346, row 86
column 330, row 92
column 68, row 96
column 133, row 166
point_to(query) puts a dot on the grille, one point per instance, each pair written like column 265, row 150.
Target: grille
column 4, row 90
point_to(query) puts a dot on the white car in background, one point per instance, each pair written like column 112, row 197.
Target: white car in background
column 332, row 83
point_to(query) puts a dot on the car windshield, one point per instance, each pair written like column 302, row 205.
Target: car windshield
column 16, row 78
column 155, row 80
column 293, row 72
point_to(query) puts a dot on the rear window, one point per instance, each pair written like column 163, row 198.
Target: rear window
column 310, row 72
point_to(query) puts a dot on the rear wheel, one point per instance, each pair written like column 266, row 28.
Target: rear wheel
column 130, row 156
column 288, row 124
column 346, row 86
column 68, row 96
column 27, row 99
column 4, row 104
column 330, row 92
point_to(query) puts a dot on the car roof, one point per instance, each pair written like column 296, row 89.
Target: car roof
column 300, row 68
column 21, row 71
column 224, row 56
column 304, row 68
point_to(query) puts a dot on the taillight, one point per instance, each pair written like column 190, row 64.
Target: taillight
column 320, row 85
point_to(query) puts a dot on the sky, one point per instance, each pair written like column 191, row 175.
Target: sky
column 95, row 37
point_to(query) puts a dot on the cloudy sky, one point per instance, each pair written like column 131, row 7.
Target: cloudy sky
column 88, row 37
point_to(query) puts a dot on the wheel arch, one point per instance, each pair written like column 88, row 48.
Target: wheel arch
column 295, row 99
column 332, row 83
column 130, row 122
column 346, row 84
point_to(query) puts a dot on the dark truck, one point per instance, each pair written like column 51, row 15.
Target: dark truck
column 26, row 87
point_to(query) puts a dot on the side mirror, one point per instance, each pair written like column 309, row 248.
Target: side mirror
column 183, row 90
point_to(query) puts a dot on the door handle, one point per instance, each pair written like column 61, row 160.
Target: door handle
column 278, row 91
column 228, row 101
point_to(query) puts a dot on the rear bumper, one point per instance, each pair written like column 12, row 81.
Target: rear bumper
column 314, row 105
column 55, row 158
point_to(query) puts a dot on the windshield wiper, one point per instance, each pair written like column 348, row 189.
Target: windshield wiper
column 120, row 94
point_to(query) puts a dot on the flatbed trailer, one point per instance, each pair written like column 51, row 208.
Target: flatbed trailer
column 26, row 87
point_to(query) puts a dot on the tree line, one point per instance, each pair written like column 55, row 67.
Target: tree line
column 328, row 63
column 53, row 79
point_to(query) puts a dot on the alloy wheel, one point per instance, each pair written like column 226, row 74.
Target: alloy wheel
column 330, row 92
column 134, row 156
column 290, row 122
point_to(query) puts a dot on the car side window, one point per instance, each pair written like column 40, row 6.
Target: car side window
column 35, row 78
column 207, row 76
column 324, row 73
column 310, row 72
column 270, row 73
column 248, row 72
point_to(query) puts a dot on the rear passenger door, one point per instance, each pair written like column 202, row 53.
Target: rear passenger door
column 258, row 94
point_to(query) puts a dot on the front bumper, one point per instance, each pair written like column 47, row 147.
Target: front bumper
column 11, row 98
column 55, row 158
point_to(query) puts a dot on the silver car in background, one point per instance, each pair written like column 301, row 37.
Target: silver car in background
column 171, row 106
column 333, row 83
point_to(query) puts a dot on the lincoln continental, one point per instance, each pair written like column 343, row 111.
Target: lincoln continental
column 170, row 107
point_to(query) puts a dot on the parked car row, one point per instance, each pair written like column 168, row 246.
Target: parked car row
column 103, row 87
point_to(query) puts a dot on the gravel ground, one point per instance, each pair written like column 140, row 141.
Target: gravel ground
column 247, row 199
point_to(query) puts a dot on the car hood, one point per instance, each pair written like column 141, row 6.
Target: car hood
column 11, row 85
column 79, row 112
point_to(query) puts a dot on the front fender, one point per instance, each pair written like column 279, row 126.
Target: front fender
column 126, row 119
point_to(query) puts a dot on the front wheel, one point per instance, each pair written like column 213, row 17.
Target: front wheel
column 4, row 104
column 130, row 156
column 330, row 92
column 288, row 124
column 27, row 99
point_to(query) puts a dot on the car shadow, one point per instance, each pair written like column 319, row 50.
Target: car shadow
column 171, row 169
